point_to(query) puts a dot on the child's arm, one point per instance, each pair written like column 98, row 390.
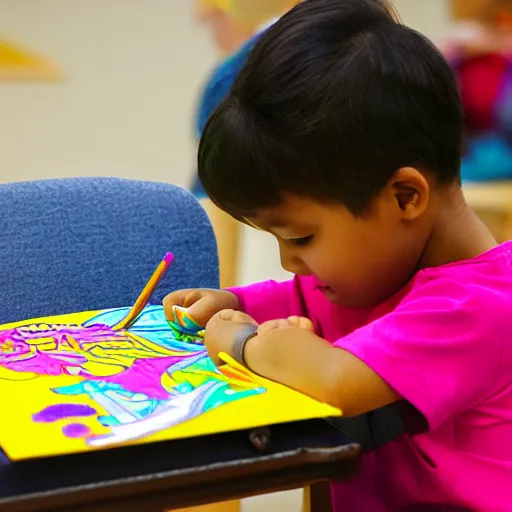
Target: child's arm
column 302, row 360
column 440, row 350
column 270, row 299
column 262, row 301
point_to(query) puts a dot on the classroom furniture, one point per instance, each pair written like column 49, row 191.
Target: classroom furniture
column 492, row 201
column 91, row 243
column 180, row 473
column 84, row 244
column 228, row 233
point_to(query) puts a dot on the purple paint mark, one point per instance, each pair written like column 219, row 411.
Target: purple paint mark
column 75, row 430
column 60, row 411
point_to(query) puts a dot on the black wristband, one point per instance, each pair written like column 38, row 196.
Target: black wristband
column 245, row 333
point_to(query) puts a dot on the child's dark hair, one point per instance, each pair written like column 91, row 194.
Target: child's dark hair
column 334, row 98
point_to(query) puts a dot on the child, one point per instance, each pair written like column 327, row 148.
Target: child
column 342, row 138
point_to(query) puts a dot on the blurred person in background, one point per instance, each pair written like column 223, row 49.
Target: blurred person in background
column 234, row 25
column 227, row 35
column 479, row 48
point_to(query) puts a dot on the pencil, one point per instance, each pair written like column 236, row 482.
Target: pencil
column 145, row 295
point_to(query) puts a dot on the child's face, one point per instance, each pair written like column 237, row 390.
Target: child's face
column 358, row 261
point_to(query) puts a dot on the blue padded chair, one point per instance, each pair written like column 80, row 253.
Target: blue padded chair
column 84, row 244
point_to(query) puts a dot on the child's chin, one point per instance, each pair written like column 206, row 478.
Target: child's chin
column 329, row 294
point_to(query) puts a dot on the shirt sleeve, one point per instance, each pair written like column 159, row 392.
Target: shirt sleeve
column 439, row 349
column 270, row 299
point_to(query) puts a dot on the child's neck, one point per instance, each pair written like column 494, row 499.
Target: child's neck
column 458, row 234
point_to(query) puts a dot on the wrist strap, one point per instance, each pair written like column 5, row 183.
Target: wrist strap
column 245, row 333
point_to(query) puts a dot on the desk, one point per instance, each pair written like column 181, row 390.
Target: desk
column 180, row 473
column 492, row 201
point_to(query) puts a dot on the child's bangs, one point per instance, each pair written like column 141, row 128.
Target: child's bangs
column 242, row 168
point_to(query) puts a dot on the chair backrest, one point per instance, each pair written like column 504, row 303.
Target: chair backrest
column 84, row 244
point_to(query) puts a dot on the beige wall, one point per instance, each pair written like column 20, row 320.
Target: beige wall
column 133, row 71
column 430, row 17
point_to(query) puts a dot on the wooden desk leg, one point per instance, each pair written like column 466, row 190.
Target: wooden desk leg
column 228, row 233
column 306, row 499
column 508, row 227
column 317, row 498
column 227, row 506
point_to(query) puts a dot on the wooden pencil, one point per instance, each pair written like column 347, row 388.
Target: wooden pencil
column 145, row 295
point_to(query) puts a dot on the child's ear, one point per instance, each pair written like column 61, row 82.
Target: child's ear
column 411, row 192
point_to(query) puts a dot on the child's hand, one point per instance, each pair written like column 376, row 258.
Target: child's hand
column 221, row 331
column 225, row 325
column 286, row 323
column 202, row 303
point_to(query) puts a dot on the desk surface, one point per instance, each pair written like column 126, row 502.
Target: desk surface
column 180, row 473
column 494, row 195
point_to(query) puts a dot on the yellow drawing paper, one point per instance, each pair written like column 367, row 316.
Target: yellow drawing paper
column 73, row 383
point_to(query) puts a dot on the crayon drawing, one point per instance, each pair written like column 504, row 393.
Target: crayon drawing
column 143, row 379
column 77, row 382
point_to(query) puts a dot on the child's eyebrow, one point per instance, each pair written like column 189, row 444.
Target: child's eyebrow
column 278, row 222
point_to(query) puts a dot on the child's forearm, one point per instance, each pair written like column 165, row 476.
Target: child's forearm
column 270, row 299
column 303, row 361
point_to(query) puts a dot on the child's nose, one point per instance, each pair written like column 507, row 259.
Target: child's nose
column 292, row 263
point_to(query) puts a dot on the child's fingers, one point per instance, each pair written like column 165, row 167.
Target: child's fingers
column 306, row 323
column 272, row 325
column 301, row 322
column 287, row 323
column 267, row 326
column 182, row 298
column 202, row 310
column 294, row 321
column 232, row 315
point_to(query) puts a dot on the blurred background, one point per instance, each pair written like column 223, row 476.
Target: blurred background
column 132, row 72
column 112, row 88
column 124, row 92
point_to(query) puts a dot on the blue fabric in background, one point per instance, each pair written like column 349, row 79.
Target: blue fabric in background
column 217, row 88
column 488, row 157
column 220, row 82
column 92, row 243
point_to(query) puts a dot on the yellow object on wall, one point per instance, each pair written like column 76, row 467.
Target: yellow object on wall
column 17, row 63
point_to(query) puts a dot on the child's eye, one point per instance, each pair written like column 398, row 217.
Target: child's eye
column 300, row 241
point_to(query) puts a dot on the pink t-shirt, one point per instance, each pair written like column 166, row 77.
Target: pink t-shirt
column 444, row 343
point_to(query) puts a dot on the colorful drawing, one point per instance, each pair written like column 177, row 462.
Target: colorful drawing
column 75, row 383
column 147, row 378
